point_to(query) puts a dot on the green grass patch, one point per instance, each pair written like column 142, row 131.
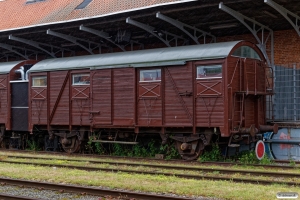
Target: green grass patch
column 145, row 183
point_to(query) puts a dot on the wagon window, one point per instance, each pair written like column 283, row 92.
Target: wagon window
column 81, row 79
column 246, row 52
column 150, row 75
column 209, row 71
column 40, row 81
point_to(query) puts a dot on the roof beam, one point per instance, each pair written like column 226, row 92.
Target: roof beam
column 10, row 48
column 286, row 14
column 71, row 39
column 101, row 34
column 156, row 33
column 255, row 29
column 36, row 45
column 197, row 33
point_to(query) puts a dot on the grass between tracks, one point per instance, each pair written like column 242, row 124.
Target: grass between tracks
column 216, row 170
column 146, row 183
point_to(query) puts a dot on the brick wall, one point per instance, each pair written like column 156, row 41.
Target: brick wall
column 286, row 45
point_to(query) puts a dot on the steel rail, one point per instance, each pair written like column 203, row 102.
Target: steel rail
column 89, row 190
column 187, row 176
column 159, row 160
column 162, row 165
column 253, row 165
column 166, row 166
column 7, row 197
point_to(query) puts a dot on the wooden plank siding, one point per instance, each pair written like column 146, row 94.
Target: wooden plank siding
column 79, row 99
column 4, row 98
column 123, row 96
column 179, row 96
column 101, row 99
column 61, row 112
column 246, row 76
column 39, row 105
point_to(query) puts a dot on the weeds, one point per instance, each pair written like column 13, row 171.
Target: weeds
column 170, row 151
column 212, row 155
column 249, row 157
column 266, row 161
column 292, row 163
column 99, row 149
column 32, row 145
column 148, row 150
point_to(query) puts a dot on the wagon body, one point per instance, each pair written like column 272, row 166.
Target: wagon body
column 191, row 89
column 14, row 96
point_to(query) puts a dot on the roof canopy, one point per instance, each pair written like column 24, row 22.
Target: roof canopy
column 143, row 58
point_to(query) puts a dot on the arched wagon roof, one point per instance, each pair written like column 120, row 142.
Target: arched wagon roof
column 6, row 67
column 143, row 58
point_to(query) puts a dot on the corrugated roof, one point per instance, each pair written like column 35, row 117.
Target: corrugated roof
column 16, row 13
column 151, row 57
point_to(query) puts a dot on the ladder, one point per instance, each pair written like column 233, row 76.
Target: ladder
column 237, row 113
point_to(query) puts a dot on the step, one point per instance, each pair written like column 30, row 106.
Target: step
column 115, row 142
column 234, row 145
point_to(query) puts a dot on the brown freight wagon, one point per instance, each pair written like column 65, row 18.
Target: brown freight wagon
column 14, row 101
column 188, row 93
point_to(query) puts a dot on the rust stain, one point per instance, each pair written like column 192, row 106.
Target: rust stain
column 284, row 136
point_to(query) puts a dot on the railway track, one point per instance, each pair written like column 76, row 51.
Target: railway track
column 163, row 166
column 12, row 197
column 84, row 190
column 281, row 164
column 154, row 168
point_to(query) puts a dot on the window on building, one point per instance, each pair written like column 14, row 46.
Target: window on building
column 209, row 71
column 81, row 79
column 246, row 52
column 150, row 75
column 40, row 81
column 83, row 4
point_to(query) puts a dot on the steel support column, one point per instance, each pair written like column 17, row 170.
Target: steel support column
column 286, row 14
column 255, row 29
column 197, row 33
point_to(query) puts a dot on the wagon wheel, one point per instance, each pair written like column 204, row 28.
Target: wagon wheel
column 70, row 145
column 193, row 151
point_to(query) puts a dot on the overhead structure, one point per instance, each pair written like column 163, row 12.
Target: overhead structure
column 262, row 33
column 37, row 45
column 143, row 25
column 197, row 33
column 74, row 40
column 292, row 18
column 162, row 35
column 101, row 34
column 11, row 49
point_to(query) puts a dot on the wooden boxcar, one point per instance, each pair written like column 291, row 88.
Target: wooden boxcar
column 14, row 101
column 187, row 93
